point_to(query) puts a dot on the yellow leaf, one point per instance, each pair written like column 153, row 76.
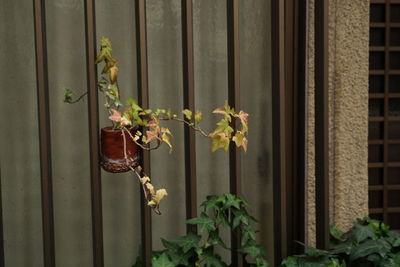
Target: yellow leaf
column 125, row 120
column 144, row 179
column 198, row 116
column 240, row 140
column 160, row 194
column 219, row 140
column 150, row 187
column 167, row 139
column 187, row 113
column 113, row 74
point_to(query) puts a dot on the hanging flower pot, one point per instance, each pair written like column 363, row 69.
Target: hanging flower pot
column 112, row 150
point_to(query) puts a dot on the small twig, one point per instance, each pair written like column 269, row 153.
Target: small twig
column 77, row 100
column 198, row 129
column 139, row 144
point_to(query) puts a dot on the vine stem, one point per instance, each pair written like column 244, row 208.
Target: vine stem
column 198, row 129
column 78, row 99
column 139, row 144
column 127, row 162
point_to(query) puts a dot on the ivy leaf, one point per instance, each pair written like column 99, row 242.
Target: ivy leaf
column 162, row 261
column 169, row 245
column 218, row 141
column 166, row 137
column 188, row 241
column 253, row 250
column 113, row 74
column 198, row 116
column 210, row 203
column 232, row 201
column 68, row 95
column 204, row 222
column 240, row 140
column 160, row 194
column 367, row 248
column 115, row 116
column 188, row 114
column 213, row 260
column 336, row 233
column 216, row 239
column 361, row 232
column 105, row 42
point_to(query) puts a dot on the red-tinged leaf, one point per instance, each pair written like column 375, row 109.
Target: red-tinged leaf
column 243, row 116
column 115, row 116
column 219, row 111
column 151, row 135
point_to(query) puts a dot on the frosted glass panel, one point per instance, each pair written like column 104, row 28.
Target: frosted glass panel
column 69, row 123
column 19, row 149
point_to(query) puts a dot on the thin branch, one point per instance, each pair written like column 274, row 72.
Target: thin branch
column 77, row 100
column 139, row 144
column 198, row 129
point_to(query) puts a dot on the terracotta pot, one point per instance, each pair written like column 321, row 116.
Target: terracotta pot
column 112, row 150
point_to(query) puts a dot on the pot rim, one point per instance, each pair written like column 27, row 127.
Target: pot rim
column 111, row 130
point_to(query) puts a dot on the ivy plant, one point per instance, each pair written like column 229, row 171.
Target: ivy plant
column 368, row 243
column 195, row 250
column 125, row 115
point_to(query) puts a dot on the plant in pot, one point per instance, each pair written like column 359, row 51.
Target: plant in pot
column 135, row 129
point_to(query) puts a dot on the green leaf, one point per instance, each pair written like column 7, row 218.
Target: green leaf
column 210, row 203
column 162, row 261
column 198, row 116
column 212, row 260
column 68, row 95
column 232, row 201
column 253, row 250
column 367, row 248
column 216, row 239
column 188, row 241
column 169, row 245
column 360, row 233
column 393, row 238
column 204, row 222
column 188, row 114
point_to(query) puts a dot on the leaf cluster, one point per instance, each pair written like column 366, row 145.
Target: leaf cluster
column 368, row 243
column 219, row 212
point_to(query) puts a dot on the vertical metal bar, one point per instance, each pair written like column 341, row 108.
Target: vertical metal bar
column 95, row 174
column 44, row 132
column 142, row 68
column 300, row 126
column 234, row 101
column 279, row 129
column 2, row 260
column 321, row 124
column 386, row 112
column 189, row 103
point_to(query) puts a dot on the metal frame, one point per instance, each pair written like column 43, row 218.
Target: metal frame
column 288, row 84
column 383, row 212
column 288, row 55
column 44, row 132
column 189, row 103
column 321, row 124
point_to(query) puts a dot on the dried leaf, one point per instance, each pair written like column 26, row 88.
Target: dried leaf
column 150, row 187
column 144, row 179
column 113, row 74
